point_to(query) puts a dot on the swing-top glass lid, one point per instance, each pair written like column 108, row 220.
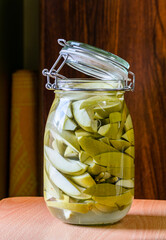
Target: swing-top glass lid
column 93, row 61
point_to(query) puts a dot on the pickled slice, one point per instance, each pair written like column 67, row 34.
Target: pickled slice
column 95, row 169
column 83, row 156
column 67, row 137
column 104, row 111
column 70, row 153
column 94, row 147
column 120, row 200
column 105, row 189
column 62, row 182
column 84, row 118
column 106, row 209
column 67, row 166
column 53, row 190
column 98, row 101
column 128, row 123
column 83, row 133
column 69, row 124
column 59, row 146
column 124, row 114
column 122, row 172
column 125, row 183
column 105, row 140
column 131, row 151
column 120, row 144
column 115, row 117
column 114, row 159
column 129, row 136
column 109, row 130
column 85, row 180
column 75, row 207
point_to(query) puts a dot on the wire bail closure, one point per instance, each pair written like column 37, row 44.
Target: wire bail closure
column 128, row 85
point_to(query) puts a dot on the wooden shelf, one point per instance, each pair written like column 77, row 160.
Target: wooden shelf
column 26, row 218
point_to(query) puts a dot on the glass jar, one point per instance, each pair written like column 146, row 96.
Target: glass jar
column 89, row 143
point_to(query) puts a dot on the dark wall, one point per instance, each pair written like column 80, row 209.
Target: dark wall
column 136, row 31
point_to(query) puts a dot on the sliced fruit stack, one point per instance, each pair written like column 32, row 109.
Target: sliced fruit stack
column 89, row 155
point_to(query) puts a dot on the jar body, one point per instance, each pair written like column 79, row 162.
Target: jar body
column 89, row 157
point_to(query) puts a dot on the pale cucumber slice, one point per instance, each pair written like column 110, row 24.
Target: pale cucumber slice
column 94, row 147
column 67, row 166
column 125, row 183
column 131, row 151
column 85, row 180
column 120, row 200
column 67, row 137
column 75, row 207
column 97, row 116
column 84, row 118
column 70, row 153
column 97, row 101
column 129, row 136
column 128, row 123
column 124, row 114
column 120, row 144
column 115, row 117
column 105, row 189
column 114, row 159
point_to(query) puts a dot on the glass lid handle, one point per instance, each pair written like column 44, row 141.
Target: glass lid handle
column 53, row 73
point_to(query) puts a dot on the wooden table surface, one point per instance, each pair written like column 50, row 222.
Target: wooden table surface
column 26, row 218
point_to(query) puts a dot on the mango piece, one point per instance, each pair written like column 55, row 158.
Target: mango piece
column 106, row 209
column 97, row 116
column 115, row 117
column 122, row 172
column 67, row 166
column 124, row 114
column 120, row 144
column 75, row 207
column 98, row 101
column 83, row 133
column 70, row 153
column 94, row 147
column 125, row 183
column 85, row 180
column 105, row 140
column 59, row 146
column 69, row 124
column 51, row 189
column 95, row 169
column 114, row 159
column 104, row 189
column 131, row 151
column 128, row 124
column 67, row 137
column 104, row 111
column 84, row 118
column 129, row 136
column 121, row 200
column 109, row 130
column 83, row 156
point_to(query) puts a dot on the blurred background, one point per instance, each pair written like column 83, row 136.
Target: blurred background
column 134, row 30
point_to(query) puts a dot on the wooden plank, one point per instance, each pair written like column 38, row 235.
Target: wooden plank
column 136, row 31
column 27, row 218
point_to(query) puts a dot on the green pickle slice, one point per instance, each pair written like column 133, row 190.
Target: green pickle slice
column 89, row 154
